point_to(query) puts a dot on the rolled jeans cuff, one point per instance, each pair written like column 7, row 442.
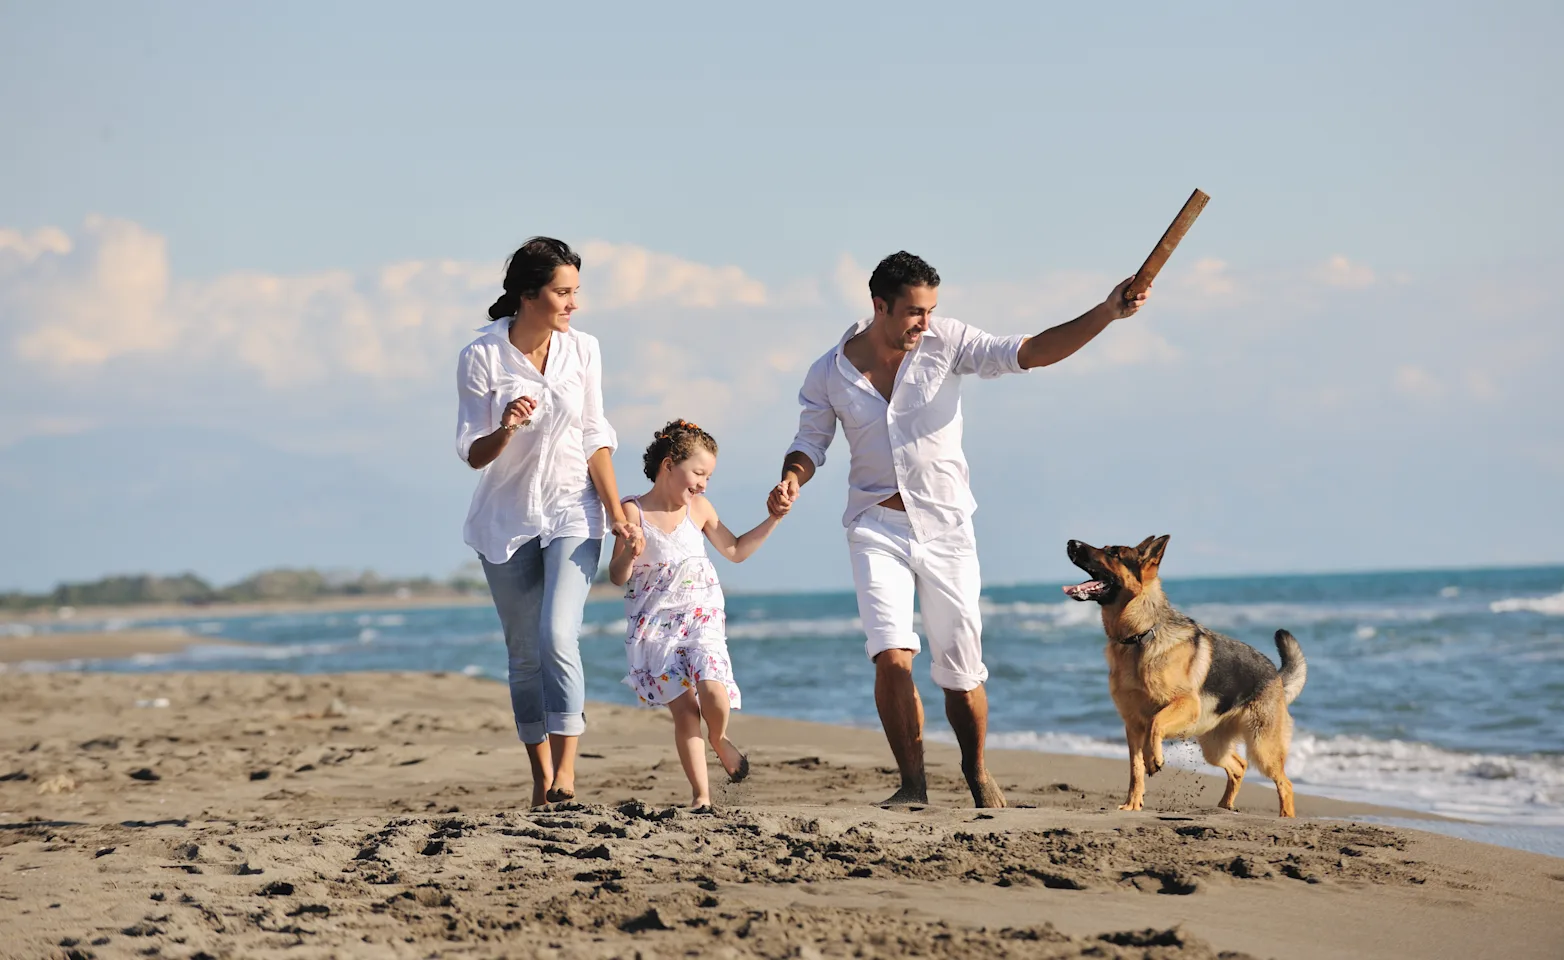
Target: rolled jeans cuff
column 531, row 733
column 565, row 724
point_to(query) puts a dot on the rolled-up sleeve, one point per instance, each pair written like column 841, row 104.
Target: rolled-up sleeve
column 817, row 420
column 986, row 355
column 596, row 431
column 473, row 408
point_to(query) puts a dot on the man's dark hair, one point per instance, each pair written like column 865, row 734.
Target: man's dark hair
column 529, row 270
column 900, row 269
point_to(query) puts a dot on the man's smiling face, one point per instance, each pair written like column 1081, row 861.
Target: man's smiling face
column 902, row 323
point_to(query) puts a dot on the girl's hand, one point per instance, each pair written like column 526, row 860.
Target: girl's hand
column 518, row 413
column 782, row 496
column 634, row 541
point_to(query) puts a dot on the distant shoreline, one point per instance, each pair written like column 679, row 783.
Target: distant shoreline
column 186, row 611
column 97, row 645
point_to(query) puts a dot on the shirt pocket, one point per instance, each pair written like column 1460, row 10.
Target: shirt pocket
column 859, row 410
column 856, row 408
column 925, row 380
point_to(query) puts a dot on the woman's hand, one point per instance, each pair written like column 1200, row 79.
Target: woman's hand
column 518, row 413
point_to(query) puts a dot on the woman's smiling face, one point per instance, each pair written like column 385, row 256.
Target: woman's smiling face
column 556, row 301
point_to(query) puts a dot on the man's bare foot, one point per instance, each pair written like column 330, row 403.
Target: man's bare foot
column 985, row 792
column 907, row 796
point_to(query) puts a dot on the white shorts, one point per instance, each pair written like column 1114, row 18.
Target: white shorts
column 890, row 568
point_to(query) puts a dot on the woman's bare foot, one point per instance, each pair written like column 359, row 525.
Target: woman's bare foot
column 560, row 794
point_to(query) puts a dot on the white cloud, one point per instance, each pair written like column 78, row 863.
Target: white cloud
column 1414, row 381
column 852, row 282
column 1338, row 271
column 639, row 276
column 77, row 305
column 1481, row 386
column 28, row 248
column 74, row 305
column 1209, row 278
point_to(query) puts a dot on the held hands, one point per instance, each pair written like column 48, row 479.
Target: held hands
column 518, row 413
column 1118, row 307
column 782, row 496
column 634, row 539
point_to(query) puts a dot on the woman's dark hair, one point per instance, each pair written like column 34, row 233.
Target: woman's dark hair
column 900, row 269
column 678, row 442
column 529, row 269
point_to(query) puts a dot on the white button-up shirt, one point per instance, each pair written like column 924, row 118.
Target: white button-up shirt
column 912, row 444
column 538, row 486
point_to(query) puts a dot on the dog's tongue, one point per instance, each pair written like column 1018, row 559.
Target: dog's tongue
column 1084, row 591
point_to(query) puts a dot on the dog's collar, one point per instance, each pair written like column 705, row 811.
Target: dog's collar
column 1140, row 638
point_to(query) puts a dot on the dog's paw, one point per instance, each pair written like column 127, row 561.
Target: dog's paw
column 1132, row 805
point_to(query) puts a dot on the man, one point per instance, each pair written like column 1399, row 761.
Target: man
column 894, row 383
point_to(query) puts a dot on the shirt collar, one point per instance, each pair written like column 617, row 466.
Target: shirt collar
column 499, row 328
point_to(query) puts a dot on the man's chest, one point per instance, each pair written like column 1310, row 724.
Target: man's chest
column 919, row 387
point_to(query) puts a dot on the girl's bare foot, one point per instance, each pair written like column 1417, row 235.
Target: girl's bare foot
column 734, row 762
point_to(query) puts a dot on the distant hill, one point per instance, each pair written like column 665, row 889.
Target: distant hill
column 282, row 584
column 268, row 586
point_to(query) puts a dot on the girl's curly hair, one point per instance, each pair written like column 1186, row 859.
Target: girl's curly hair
column 677, row 441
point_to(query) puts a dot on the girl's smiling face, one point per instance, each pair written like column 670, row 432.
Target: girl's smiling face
column 686, row 480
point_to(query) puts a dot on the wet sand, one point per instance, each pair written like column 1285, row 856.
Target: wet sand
column 102, row 645
column 383, row 815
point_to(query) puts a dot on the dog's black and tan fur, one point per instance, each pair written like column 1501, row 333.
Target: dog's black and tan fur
column 1172, row 678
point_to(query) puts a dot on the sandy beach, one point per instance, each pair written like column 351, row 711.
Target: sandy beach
column 381, row 815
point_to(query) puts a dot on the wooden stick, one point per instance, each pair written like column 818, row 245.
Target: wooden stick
column 1159, row 255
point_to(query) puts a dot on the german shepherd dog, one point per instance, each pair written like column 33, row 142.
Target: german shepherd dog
column 1171, row 677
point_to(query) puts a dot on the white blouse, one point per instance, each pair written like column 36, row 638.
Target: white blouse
column 538, row 486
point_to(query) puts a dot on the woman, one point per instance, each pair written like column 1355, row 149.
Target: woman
column 531, row 418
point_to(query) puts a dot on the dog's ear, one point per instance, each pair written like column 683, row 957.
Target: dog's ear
column 1151, row 550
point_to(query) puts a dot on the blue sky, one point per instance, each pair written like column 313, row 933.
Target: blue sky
column 240, row 247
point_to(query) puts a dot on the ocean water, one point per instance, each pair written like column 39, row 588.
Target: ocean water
column 1440, row 692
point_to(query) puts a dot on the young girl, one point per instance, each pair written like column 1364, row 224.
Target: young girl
column 677, row 643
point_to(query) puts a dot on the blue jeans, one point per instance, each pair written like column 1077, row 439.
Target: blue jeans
column 540, row 594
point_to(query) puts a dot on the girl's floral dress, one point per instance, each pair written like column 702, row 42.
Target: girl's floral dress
column 677, row 629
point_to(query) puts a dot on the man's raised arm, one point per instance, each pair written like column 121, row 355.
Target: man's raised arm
column 1056, row 343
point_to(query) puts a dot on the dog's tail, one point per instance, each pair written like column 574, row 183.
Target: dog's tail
column 1295, row 670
